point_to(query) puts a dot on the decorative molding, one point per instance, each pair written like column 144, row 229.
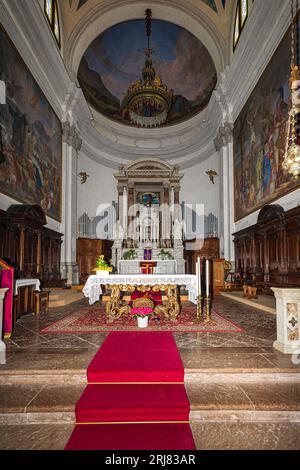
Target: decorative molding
column 149, row 168
column 71, row 136
column 224, row 136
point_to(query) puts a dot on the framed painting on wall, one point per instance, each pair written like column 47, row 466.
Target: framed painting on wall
column 31, row 136
column 260, row 139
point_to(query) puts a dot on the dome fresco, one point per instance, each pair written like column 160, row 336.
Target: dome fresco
column 115, row 59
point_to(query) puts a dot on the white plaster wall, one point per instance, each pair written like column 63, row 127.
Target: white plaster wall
column 100, row 188
column 197, row 188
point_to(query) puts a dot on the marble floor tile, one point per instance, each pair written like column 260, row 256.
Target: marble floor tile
column 221, row 359
column 276, row 397
column 48, row 359
column 56, row 398
column 35, row 437
column 217, row 396
column 208, row 436
column 246, row 436
column 15, row 398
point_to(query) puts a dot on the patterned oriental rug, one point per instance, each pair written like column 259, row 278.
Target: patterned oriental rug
column 93, row 319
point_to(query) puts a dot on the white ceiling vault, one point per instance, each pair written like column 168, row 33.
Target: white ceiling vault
column 105, row 141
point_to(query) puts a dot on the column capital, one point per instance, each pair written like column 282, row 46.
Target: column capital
column 224, row 136
column 176, row 187
column 71, row 136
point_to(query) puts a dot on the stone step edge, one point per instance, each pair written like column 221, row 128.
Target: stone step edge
column 196, row 416
column 196, row 408
column 76, row 377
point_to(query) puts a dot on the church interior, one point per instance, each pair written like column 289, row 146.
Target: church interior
column 149, row 225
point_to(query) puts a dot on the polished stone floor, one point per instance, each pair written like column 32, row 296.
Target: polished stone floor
column 237, row 351
column 243, row 393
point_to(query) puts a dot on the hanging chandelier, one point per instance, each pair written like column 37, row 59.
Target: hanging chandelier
column 291, row 162
column 148, row 101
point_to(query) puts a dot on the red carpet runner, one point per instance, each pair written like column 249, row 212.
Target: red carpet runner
column 135, row 398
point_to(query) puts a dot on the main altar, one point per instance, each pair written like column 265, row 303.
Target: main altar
column 119, row 284
column 149, row 221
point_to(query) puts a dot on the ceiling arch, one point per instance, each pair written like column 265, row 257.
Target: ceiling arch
column 112, row 143
column 108, row 13
column 116, row 58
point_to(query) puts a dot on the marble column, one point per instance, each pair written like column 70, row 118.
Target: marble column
column 172, row 205
column 120, row 204
column 2, row 344
column 125, row 210
column 288, row 320
column 166, row 225
column 71, row 146
column 177, row 212
column 224, row 146
column 131, row 229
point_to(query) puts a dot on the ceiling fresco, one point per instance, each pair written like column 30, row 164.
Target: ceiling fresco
column 115, row 59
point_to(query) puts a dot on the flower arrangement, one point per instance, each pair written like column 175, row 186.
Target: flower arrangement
column 164, row 254
column 102, row 265
column 130, row 254
column 141, row 312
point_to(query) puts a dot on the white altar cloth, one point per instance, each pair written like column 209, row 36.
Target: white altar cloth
column 93, row 290
column 26, row 282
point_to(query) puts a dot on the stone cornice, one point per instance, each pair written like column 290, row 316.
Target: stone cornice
column 149, row 168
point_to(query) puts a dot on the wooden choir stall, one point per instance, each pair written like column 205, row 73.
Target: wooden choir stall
column 268, row 253
column 33, row 251
column 209, row 249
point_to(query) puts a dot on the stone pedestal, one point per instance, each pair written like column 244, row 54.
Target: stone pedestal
column 2, row 344
column 288, row 320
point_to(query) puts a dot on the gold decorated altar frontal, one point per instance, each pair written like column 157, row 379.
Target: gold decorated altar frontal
column 119, row 284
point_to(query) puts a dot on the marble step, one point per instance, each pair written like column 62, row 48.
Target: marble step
column 77, row 376
column 37, row 403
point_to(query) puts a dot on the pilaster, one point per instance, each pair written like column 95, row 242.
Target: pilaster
column 224, row 146
column 71, row 147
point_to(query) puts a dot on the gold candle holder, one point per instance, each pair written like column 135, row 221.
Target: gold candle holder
column 208, row 309
column 199, row 308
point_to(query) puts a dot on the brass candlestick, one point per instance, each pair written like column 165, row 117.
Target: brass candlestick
column 199, row 308
column 208, row 309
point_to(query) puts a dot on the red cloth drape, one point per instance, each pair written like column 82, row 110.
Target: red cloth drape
column 156, row 297
column 7, row 281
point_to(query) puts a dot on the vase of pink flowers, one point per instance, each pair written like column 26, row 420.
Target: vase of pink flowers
column 142, row 314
